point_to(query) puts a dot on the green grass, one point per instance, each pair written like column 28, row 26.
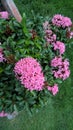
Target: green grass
column 58, row 114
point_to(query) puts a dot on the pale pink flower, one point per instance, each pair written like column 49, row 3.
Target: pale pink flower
column 71, row 35
column 3, row 114
column 66, row 22
column 45, row 25
column 29, row 72
column 2, row 59
column 59, row 46
column 57, row 20
column 55, row 62
column 50, row 36
column 4, row 15
column 53, row 89
column 61, row 21
column 62, row 70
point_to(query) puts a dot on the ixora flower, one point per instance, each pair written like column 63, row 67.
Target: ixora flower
column 3, row 114
column 2, row 59
column 57, row 61
column 4, row 15
column 61, row 21
column 50, row 36
column 59, row 46
column 29, row 72
column 62, row 70
column 53, row 89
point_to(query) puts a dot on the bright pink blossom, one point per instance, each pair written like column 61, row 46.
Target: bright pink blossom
column 59, row 46
column 62, row 70
column 53, row 89
column 29, row 72
column 56, row 61
column 66, row 22
column 61, row 21
column 57, row 20
column 4, row 15
column 3, row 114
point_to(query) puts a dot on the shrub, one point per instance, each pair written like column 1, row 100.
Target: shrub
column 32, row 60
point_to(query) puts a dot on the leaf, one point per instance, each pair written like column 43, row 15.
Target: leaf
column 1, row 70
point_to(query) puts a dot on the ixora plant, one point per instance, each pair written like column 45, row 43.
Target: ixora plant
column 32, row 60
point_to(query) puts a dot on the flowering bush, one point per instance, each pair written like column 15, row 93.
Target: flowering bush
column 32, row 60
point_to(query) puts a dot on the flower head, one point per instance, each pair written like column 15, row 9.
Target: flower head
column 56, row 61
column 4, row 15
column 66, row 22
column 59, row 46
column 62, row 70
column 57, row 20
column 53, row 89
column 61, row 21
column 29, row 72
column 3, row 114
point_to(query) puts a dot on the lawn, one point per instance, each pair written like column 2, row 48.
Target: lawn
column 58, row 114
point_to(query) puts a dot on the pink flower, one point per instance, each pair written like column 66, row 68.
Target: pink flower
column 45, row 25
column 59, row 46
column 62, row 70
column 53, row 89
column 61, row 21
column 71, row 35
column 4, row 15
column 29, row 72
column 56, row 61
column 57, row 20
column 2, row 57
column 66, row 22
column 3, row 114
column 50, row 36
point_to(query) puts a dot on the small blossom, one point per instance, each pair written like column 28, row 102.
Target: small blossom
column 56, row 61
column 4, row 15
column 3, row 114
column 53, row 89
column 71, row 35
column 57, row 20
column 50, row 36
column 62, row 70
column 66, row 22
column 61, row 21
column 2, row 59
column 45, row 25
column 59, row 46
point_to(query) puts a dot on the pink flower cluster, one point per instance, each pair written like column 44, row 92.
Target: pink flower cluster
column 4, row 15
column 59, row 46
column 53, row 89
column 29, row 72
column 3, row 114
column 50, row 36
column 57, row 61
column 1, row 55
column 71, row 35
column 61, row 69
column 61, row 21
